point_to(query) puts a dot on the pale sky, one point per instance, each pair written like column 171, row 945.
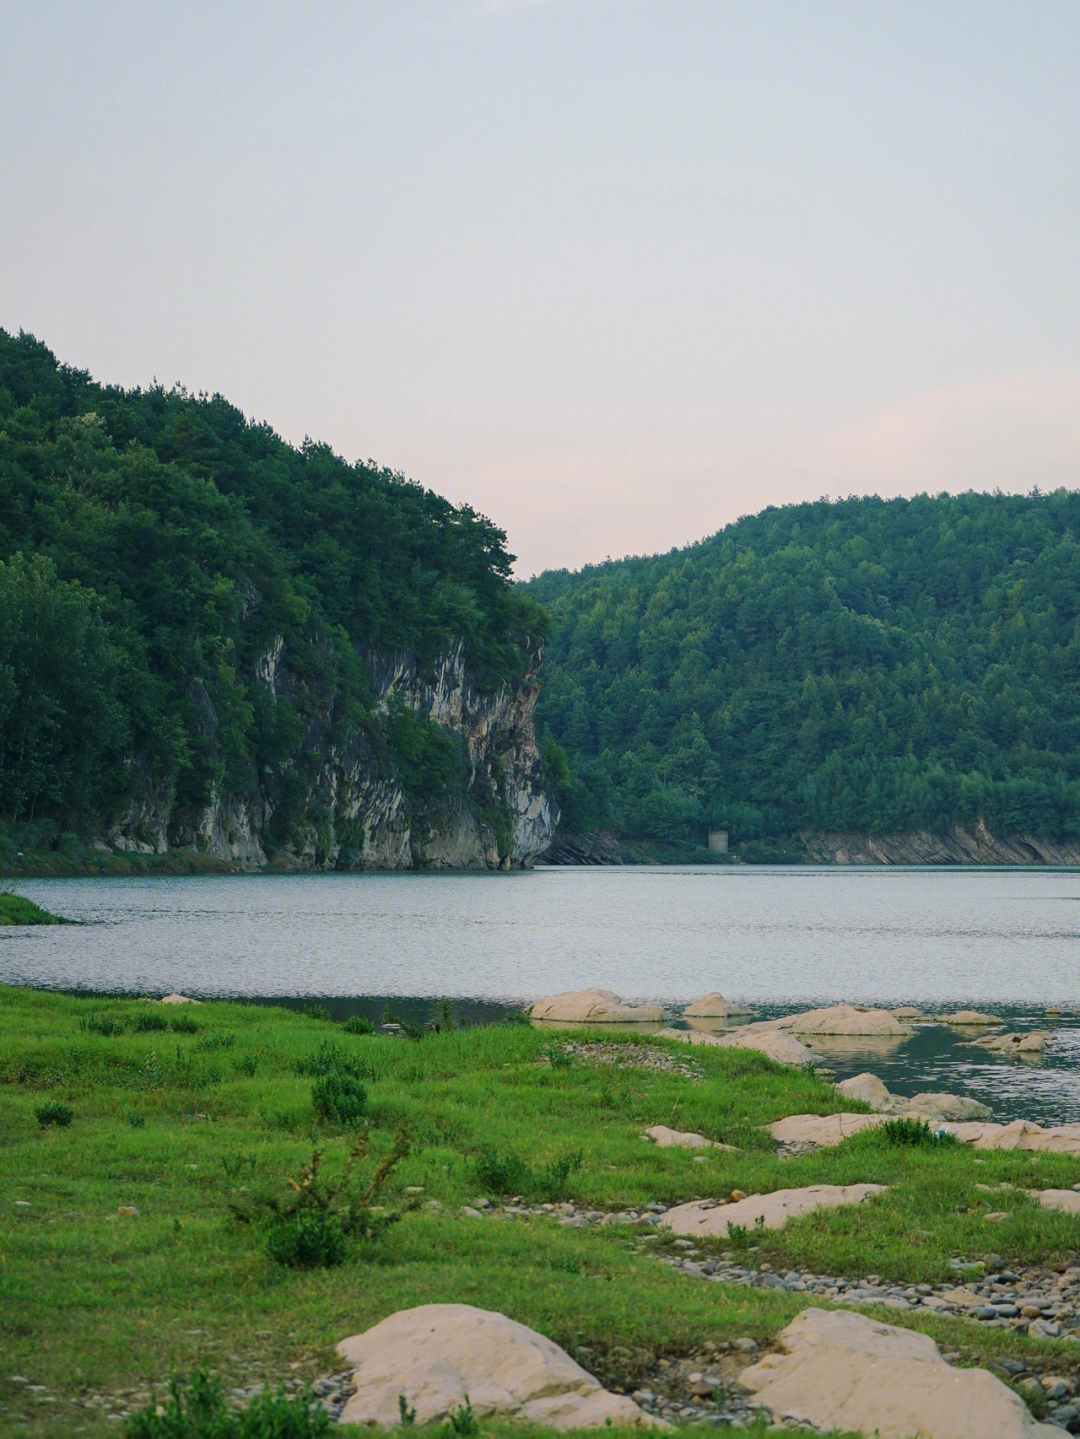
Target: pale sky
column 613, row 272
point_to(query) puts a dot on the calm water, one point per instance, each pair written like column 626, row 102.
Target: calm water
column 775, row 938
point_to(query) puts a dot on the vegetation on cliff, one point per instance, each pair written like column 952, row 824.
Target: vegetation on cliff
column 188, row 605
column 863, row 665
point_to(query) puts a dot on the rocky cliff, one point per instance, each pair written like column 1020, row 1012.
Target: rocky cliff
column 954, row 846
column 343, row 803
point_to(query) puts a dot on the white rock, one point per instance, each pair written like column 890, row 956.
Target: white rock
column 867, row 1087
column 1033, row 1042
column 713, row 1006
column 847, row 1019
column 1063, row 1201
column 968, row 1017
column 906, row 1011
column 822, row 1129
column 178, row 999
column 944, row 1106
column 593, row 1006
column 764, row 1038
column 766, row 1211
column 438, row 1353
column 842, row 1371
column 665, row 1138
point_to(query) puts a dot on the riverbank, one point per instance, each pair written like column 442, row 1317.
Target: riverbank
column 124, row 1262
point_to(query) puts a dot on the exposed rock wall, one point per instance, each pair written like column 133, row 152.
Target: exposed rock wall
column 596, row 847
column 348, row 808
column 955, row 846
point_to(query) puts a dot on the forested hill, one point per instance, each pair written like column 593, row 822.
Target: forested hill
column 864, row 666
column 212, row 639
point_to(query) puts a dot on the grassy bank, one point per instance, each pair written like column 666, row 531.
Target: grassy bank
column 180, row 1113
column 17, row 909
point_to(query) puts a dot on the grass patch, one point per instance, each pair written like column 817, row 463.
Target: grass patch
column 186, row 1132
column 17, row 909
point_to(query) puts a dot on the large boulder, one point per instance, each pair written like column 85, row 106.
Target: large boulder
column 437, row 1354
column 707, row 1219
column 593, row 1006
column 867, row 1087
column 842, row 1371
column 763, row 1037
column 714, row 1006
column 846, row 1019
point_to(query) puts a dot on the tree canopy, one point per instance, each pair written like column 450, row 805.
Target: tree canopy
column 862, row 665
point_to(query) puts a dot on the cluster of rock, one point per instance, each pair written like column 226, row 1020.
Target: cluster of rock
column 813, row 1131
column 934, row 1108
column 712, row 1218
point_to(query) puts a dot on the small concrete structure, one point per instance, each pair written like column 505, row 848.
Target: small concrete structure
column 718, row 841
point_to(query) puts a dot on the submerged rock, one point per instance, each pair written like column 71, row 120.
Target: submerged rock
column 1033, row 1042
column 438, row 1354
column 705, row 1218
column 843, row 1371
column 714, row 1006
column 593, row 1006
column 968, row 1017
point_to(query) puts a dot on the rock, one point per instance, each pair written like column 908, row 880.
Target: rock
column 1062, row 1201
column 598, row 846
column 867, row 1087
column 438, row 1353
column 1033, row 1042
column 906, row 1011
column 713, row 1006
column 822, row 1129
column 970, row 1017
column 839, row 1370
column 945, row 1106
column 178, row 999
column 847, row 1019
column 764, row 1038
column 703, row 1218
column 133, row 1213
column 665, row 1138
column 593, row 1006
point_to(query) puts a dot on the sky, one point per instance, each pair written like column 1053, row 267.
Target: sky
column 613, row 272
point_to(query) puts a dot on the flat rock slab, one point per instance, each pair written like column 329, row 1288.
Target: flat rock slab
column 593, row 1006
column 665, row 1138
column 843, row 1371
column 1034, row 1042
column 713, row 1006
column 704, row 1218
column 829, row 1129
column 438, row 1353
column 764, row 1038
column 1063, row 1201
column 972, row 1017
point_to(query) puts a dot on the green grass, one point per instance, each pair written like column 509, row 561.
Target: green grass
column 175, row 1124
column 16, row 909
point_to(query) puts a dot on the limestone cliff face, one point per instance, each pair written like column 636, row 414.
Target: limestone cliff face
column 955, row 846
column 343, row 805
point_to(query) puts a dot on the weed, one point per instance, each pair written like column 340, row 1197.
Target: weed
column 246, row 1065
column 552, row 1180
column 236, row 1164
column 358, row 1024
column 317, row 1011
column 108, row 1025
column 339, row 1099
column 183, row 1024
column 517, row 1017
column 308, row 1225
column 462, row 1419
column 558, row 1057
column 59, row 1115
column 145, row 1023
column 408, row 1416
column 330, row 1058
column 198, row 1410
column 210, row 1042
column 508, row 1174
column 738, row 1236
column 137, row 1121
column 915, row 1132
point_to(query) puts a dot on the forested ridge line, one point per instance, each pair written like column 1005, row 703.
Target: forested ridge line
column 189, row 606
column 858, row 666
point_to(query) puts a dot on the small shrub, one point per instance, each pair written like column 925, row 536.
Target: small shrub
column 198, row 1410
column 915, row 1132
column 358, row 1024
column 339, row 1099
column 246, row 1065
column 504, row 1174
column 408, row 1415
column 462, row 1420
column 236, row 1165
column 558, row 1057
column 145, row 1023
column 210, row 1042
column 137, row 1121
column 517, row 1017
column 308, row 1225
column 330, row 1058
column 104, row 1024
column 59, row 1115
column 183, row 1024
column 317, row 1011
column 738, row 1236
column 551, row 1181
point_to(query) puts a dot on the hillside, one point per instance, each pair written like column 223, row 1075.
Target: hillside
column 216, row 643
column 835, row 671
